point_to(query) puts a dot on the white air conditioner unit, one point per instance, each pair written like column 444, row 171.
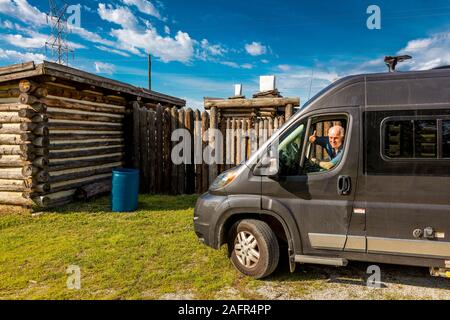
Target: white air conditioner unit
column 237, row 90
column 267, row 83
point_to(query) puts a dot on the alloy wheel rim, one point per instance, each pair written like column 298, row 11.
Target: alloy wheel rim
column 246, row 249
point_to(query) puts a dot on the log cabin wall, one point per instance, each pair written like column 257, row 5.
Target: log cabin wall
column 62, row 133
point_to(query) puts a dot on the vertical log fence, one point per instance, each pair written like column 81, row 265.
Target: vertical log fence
column 209, row 154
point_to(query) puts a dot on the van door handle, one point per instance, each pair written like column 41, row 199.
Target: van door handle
column 344, row 185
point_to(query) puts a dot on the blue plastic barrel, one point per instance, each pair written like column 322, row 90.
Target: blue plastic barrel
column 125, row 190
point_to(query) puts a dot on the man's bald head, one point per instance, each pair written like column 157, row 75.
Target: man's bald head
column 336, row 136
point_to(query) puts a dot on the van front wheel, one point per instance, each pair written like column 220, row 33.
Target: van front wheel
column 254, row 248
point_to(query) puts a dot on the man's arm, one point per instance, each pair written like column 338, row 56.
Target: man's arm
column 328, row 165
column 322, row 141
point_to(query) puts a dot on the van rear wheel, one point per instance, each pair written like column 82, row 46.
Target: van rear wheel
column 254, row 248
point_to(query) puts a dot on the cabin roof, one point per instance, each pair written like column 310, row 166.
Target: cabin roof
column 30, row 69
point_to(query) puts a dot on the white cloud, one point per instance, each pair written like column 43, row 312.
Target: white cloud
column 236, row 65
column 255, row 49
column 87, row 8
column 144, row 6
column 106, row 49
column 207, row 51
column 265, row 61
column 166, row 29
column 180, row 48
column 106, row 68
column 284, row 67
column 120, row 15
column 36, row 41
column 91, row 36
column 427, row 53
column 22, row 10
column 16, row 56
column 7, row 24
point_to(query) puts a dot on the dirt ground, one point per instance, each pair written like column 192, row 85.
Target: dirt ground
column 348, row 283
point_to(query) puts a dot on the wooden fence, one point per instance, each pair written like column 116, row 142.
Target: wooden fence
column 153, row 146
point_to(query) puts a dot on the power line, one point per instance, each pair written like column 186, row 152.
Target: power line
column 57, row 42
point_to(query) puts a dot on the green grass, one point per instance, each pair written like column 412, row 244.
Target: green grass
column 141, row 255
column 152, row 253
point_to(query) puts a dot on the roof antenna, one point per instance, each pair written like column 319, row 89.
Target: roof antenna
column 310, row 83
column 391, row 62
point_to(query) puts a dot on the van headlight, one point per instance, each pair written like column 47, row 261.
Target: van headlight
column 225, row 178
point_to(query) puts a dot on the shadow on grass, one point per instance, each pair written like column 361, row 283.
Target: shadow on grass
column 145, row 203
column 355, row 274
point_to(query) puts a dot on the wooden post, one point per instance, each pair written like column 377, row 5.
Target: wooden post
column 136, row 136
column 198, row 166
column 238, row 141
column 289, row 111
column 159, row 148
column 205, row 166
column 213, row 144
column 167, row 144
column 143, row 146
column 181, row 168
column 190, row 169
column 174, row 174
column 151, row 148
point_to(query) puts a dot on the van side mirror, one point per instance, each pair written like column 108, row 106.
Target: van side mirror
column 267, row 166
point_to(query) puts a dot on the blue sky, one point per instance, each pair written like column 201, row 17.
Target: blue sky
column 201, row 48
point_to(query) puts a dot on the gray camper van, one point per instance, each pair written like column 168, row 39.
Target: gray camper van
column 382, row 196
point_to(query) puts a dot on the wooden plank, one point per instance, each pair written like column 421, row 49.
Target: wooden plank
column 190, row 168
column 143, row 146
column 159, row 148
column 92, row 190
column 181, row 168
column 250, row 103
column 167, row 144
column 289, row 111
column 82, row 77
column 228, row 139
column 238, row 141
column 205, row 166
column 152, row 146
column 70, row 174
column 198, row 151
column 174, row 170
column 19, row 67
column 82, row 162
column 213, row 144
column 136, row 136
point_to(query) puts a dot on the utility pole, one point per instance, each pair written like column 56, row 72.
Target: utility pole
column 149, row 72
column 57, row 42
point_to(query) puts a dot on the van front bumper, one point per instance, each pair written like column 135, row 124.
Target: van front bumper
column 206, row 214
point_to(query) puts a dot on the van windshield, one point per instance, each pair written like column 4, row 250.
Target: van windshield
column 289, row 150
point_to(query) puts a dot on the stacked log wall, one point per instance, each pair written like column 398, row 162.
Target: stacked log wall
column 57, row 140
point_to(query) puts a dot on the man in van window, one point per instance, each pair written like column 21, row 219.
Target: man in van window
column 333, row 144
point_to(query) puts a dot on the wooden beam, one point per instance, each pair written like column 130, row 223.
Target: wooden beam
column 251, row 103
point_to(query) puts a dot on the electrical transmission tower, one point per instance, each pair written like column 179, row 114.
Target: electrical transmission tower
column 57, row 42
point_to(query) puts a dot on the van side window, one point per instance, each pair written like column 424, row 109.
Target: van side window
column 407, row 142
column 411, row 139
column 446, row 138
column 326, row 144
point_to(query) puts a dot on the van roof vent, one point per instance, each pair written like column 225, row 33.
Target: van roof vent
column 391, row 62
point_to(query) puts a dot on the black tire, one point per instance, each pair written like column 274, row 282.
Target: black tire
column 241, row 243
